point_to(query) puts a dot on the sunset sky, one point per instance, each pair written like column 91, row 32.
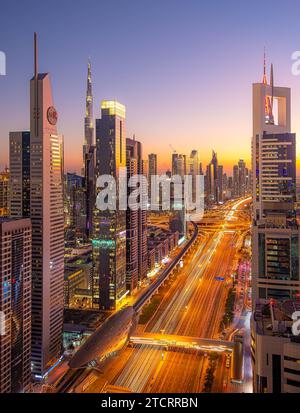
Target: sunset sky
column 183, row 69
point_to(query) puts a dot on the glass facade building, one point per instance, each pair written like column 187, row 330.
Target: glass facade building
column 109, row 240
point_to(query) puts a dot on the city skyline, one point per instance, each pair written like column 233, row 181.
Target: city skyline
column 154, row 94
column 149, row 203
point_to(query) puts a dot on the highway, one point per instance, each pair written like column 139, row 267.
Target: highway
column 193, row 306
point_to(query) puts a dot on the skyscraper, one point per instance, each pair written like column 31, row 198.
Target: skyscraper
column 47, row 216
column 15, row 303
column 242, row 177
column 178, row 164
column 216, row 189
column 88, row 120
column 235, row 181
column 275, row 264
column 193, row 170
column 4, row 193
column 109, row 241
column 89, row 156
column 136, row 220
column 19, row 163
column 220, row 182
column 152, row 171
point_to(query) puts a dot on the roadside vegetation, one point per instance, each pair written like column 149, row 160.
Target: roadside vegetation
column 210, row 373
column 229, row 309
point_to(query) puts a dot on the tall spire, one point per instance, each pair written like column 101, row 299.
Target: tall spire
column 35, row 55
column 265, row 82
column 36, row 95
column 88, row 121
column 272, row 85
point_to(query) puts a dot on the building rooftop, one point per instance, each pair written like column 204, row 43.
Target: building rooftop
column 274, row 318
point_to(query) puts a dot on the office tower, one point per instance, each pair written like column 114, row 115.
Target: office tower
column 132, row 239
column 136, row 222
column 4, row 193
column 88, row 120
column 19, row 164
column 75, row 207
column 179, row 164
column 200, row 169
column 193, row 170
column 109, row 241
column 152, row 164
column 235, row 181
column 242, row 177
column 152, row 171
column 209, row 183
column 47, row 217
column 15, row 303
column 89, row 156
column 220, row 182
column 275, row 242
column 275, row 264
column 216, row 190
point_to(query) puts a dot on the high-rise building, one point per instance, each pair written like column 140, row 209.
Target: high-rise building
column 74, row 207
column 19, row 163
column 242, row 177
column 4, row 193
column 88, row 120
column 47, row 217
column 220, row 183
column 179, row 164
column 193, row 170
column 211, row 180
column 136, row 221
column 89, row 156
column 235, row 181
column 152, row 171
column 275, row 242
column 216, row 190
column 109, row 241
column 275, row 264
column 15, row 304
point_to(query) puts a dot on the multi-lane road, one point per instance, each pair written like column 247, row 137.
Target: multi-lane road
column 193, row 306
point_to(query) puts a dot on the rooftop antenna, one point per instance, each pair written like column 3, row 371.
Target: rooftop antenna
column 265, row 82
column 35, row 55
column 272, row 82
column 36, row 95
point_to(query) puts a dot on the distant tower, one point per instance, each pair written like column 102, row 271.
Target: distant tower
column 88, row 120
column 89, row 158
column 47, row 217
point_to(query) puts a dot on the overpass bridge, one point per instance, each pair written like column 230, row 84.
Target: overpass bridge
column 176, row 342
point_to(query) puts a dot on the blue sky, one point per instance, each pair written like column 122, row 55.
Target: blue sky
column 183, row 69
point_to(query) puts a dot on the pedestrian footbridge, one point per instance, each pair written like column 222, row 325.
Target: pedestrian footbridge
column 170, row 341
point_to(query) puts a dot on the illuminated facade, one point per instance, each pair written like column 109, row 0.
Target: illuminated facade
column 136, row 223
column 15, row 302
column 109, row 240
column 4, row 193
column 47, row 216
column 275, row 241
column 19, row 163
